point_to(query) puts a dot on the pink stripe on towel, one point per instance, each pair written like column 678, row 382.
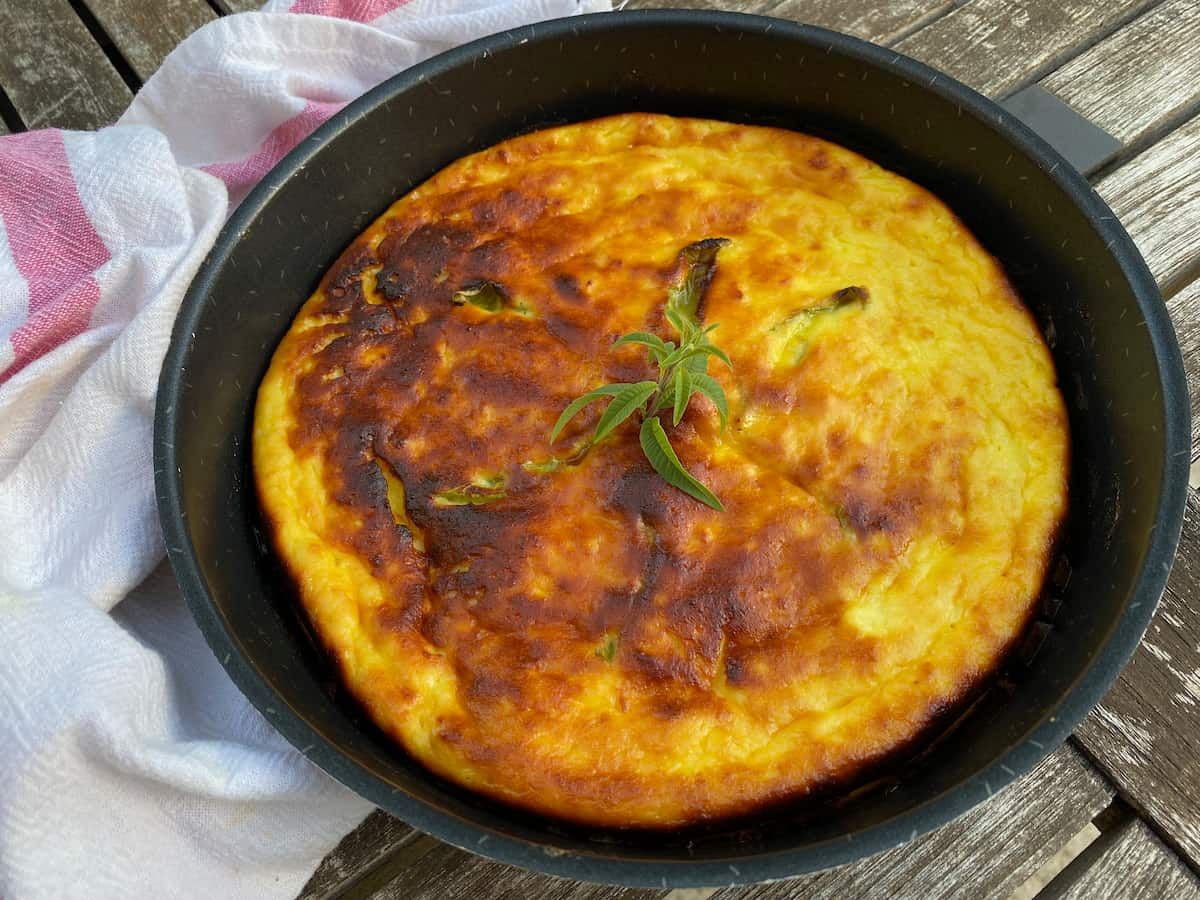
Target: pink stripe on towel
column 53, row 243
column 354, row 10
column 242, row 175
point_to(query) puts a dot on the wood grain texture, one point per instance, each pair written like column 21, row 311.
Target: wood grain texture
column 747, row 6
column 1146, row 733
column 997, row 45
column 882, row 23
column 1145, row 74
column 872, row 21
column 446, row 872
column 903, row 869
column 1129, row 84
column 53, row 71
column 987, row 853
column 144, row 33
column 1132, row 865
column 1184, row 308
column 360, row 851
column 994, row 848
column 1156, row 195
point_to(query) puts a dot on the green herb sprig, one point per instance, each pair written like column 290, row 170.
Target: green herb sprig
column 682, row 373
column 479, row 490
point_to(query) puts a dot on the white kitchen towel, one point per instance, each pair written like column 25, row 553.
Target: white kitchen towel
column 129, row 764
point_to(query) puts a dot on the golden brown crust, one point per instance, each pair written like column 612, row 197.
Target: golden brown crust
column 893, row 474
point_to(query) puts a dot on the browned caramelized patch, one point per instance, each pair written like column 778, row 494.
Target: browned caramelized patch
column 594, row 592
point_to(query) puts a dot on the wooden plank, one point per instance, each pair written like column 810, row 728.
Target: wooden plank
column 1146, row 733
column 1144, row 75
column 1146, row 736
column 882, row 23
column 1184, row 308
column 987, row 853
column 1131, row 865
column 446, row 872
column 1156, row 195
column 1133, row 207
column 997, row 45
column 746, row 6
column 1000, row 844
column 145, row 33
column 360, row 851
column 1059, row 861
column 872, row 21
column 52, row 71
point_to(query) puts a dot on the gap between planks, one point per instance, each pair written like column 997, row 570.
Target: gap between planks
column 1154, row 166
column 142, row 34
column 1145, row 736
column 1153, row 56
column 945, row 13
column 1001, row 843
column 52, row 71
column 103, row 40
column 1146, row 733
column 883, row 23
column 996, row 46
column 1114, row 816
column 1127, row 862
column 92, row 55
column 1156, row 196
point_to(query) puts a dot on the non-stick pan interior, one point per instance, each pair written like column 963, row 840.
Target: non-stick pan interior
column 1118, row 367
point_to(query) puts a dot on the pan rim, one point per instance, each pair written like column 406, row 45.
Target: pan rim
column 1024, row 752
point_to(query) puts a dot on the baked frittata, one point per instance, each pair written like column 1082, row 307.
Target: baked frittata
column 570, row 634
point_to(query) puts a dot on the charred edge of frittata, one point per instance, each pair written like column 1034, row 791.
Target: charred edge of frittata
column 845, row 789
column 358, row 447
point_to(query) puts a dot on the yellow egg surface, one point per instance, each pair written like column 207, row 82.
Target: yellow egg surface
column 592, row 643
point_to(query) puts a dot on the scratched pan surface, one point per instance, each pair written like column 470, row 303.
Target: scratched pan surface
column 1119, row 367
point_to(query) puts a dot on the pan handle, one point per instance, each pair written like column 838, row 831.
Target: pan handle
column 1085, row 145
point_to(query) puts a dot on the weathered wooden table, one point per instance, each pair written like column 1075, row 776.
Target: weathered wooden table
column 1115, row 812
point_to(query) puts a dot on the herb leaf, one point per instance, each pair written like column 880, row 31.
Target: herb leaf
column 695, row 269
column 847, row 296
column 682, row 373
column 607, row 390
column 658, row 347
column 662, row 457
column 697, row 364
column 607, row 651
column 708, row 386
column 679, row 321
column 487, row 295
column 720, row 354
column 700, row 347
column 791, row 338
column 683, row 393
column 468, row 495
column 542, row 467
column 622, row 406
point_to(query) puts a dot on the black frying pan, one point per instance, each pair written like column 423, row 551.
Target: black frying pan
column 1118, row 362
